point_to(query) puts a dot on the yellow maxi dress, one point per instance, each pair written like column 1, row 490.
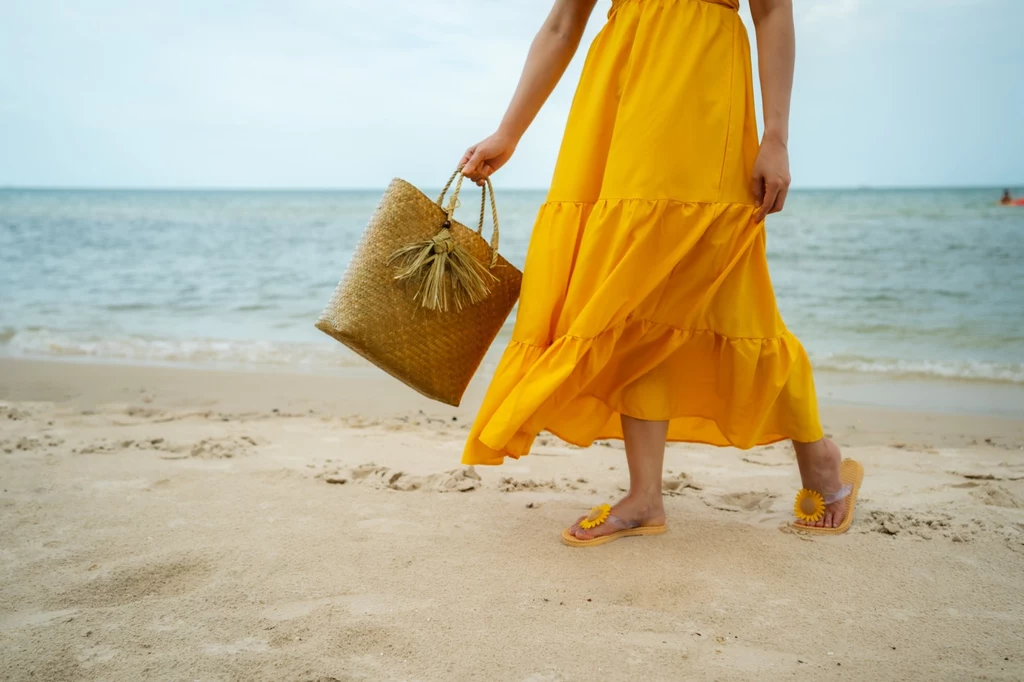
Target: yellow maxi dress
column 646, row 290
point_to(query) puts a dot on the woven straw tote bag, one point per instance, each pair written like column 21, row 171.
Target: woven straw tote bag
column 424, row 296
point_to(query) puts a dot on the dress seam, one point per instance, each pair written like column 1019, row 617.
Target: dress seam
column 616, row 4
column 663, row 199
column 576, row 337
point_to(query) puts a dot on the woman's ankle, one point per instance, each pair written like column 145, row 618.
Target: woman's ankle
column 819, row 464
column 645, row 501
column 822, row 450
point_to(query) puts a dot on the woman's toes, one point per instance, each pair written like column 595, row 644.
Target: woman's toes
column 837, row 514
column 828, row 519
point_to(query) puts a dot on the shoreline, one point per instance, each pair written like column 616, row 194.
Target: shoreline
column 861, row 390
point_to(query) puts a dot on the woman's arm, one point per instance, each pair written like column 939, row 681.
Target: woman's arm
column 550, row 54
column 776, row 51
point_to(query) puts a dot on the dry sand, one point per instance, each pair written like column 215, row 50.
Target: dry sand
column 163, row 524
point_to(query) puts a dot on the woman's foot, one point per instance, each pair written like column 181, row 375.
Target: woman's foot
column 633, row 510
column 642, row 505
column 819, row 470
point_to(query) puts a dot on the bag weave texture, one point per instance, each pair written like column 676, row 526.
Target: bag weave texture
column 435, row 352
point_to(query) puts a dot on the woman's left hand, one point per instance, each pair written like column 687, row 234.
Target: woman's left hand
column 770, row 183
column 486, row 157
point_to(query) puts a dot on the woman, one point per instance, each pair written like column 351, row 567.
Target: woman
column 647, row 313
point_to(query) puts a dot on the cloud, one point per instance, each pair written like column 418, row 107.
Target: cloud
column 347, row 93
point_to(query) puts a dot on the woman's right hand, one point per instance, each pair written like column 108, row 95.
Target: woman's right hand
column 487, row 156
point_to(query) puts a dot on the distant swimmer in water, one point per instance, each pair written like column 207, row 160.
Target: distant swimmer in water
column 1007, row 199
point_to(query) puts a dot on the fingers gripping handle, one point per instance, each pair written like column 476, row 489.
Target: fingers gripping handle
column 453, row 203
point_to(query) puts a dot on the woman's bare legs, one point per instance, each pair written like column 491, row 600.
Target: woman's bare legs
column 819, row 470
column 645, row 455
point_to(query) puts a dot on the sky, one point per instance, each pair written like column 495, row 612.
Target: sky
column 347, row 93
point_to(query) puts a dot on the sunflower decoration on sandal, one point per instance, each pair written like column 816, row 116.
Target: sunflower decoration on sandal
column 618, row 528
column 809, row 506
column 596, row 517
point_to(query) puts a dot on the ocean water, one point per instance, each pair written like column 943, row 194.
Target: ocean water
column 900, row 282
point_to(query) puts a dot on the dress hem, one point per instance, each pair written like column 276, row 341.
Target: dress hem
column 696, row 427
column 769, row 440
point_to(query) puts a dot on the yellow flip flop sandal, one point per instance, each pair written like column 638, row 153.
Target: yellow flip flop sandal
column 810, row 504
column 601, row 515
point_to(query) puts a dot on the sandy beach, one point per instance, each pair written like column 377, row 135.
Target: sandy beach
column 185, row 524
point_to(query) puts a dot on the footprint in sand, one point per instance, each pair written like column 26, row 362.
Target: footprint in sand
column 103, row 446
column 359, row 422
column 988, row 476
column 741, row 502
column 127, row 584
column 13, row 413
column 921, row 525
column 437, row 426
column 995, row 495
column 144, row 413
column 915, row 447
column 156, row 416
column 512, row 485
column 23, row 444
column 676, row 484
column 456, row 480
column 207, row 448
column 224, row 447
column 1003, row 446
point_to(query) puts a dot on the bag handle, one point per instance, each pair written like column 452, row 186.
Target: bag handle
column 453, row 203
column 443, row 270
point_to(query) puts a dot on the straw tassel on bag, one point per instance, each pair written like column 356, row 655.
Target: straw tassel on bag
column 440, row 268
column 459, row 278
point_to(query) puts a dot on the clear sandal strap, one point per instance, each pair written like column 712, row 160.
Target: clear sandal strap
column 622, row 525
column 840, row 494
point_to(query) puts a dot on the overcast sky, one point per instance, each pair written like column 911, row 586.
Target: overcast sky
column 346, row 93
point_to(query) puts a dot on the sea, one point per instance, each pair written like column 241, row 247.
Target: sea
column 919, row 282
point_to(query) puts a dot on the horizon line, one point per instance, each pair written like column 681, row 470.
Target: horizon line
column 164, row 188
